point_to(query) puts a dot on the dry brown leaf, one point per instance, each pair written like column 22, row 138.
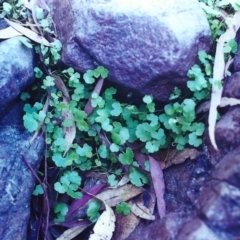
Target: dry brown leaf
column 125, row 179
column 89, row 108
column 141, row 211
column 125, row 225
column 229, row 102
column 61, row 87
column 159, row 185
column 9, row 32
column 114, row 196
column 28, row 33
column 152, row 201
column 225, row 101
column 73, row 232
column 33, row 5
column 32, row 25
column 166, row 158
column 105, row 225
column 218, row 74
column 69, row 132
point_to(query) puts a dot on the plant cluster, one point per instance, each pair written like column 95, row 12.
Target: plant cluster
column 103, row 138
column 89, row 130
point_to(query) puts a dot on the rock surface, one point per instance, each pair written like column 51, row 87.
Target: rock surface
column 147, row 46
column 236, row 63
column 232, row 87
column 16, row 179
column 16, row 64
column 183, row 183
column 219, row 201
column 199, row 206
column 227, row 131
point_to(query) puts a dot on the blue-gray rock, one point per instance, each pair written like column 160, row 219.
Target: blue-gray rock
column 17, row 181
column 236, row 62
column 3, row 24
column 147, row 46
column 16, row 64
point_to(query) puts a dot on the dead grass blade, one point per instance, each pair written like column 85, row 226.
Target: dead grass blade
column 61, row 87
column 28, row 33
column 9, row 32
column 73, row 232
column 218, row 74
column 141, row 211
column 167, row 158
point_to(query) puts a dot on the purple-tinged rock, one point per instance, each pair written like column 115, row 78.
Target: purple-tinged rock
column 16, row 64
column 147, row 46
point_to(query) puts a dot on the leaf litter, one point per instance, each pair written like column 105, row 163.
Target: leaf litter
column 218, row 74
column 28, row 33
column 159, row 185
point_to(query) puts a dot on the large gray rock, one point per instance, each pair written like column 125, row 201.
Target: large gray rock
column 219, row 201
column 16, row 64
column 147, row 46
column 16, row 179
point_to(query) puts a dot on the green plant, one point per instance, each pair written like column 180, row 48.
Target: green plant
column 93, row 211
column 110, row 122
column 217, row 13
column 96, row 134
column 60, row 210
column 69, row 183
column 124, row 208
column 14, row 9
